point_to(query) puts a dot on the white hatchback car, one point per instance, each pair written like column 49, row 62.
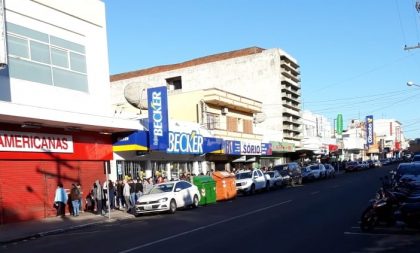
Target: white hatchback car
column 168, row 197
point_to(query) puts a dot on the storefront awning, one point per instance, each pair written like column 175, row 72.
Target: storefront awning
column 130, row 141
column 240, row 159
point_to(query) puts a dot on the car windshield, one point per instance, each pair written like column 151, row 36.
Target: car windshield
column 271, row 173
column 160, row 188
column 244, row 175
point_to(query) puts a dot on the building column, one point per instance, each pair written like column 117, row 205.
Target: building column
column 168, row 171
column 195, row 168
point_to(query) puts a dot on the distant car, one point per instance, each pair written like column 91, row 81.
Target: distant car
column 330, row 171
column 314, row 171
column 249, row 181
column 168, row 197
column 364, row 165
column 385, row 161
column 291, row 173
column 274, row 178
column 377, row 163
column 352, row 166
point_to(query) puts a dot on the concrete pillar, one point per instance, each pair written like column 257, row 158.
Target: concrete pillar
column 168, row 171
column 149, row 169
column 195, row 169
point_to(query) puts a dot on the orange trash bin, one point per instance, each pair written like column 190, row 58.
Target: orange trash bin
column 225, row 185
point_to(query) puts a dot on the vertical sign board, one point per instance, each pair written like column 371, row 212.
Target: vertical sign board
column 157, row 100
column 339, row 127
column 3, row 48
column 369, row 130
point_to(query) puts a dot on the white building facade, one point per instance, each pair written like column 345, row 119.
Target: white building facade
column 55, row 111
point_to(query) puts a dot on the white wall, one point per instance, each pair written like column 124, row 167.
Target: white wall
column 70, row 25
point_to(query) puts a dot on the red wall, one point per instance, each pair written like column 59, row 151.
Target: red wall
column 27, row 188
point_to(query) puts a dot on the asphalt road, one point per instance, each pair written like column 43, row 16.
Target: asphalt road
column 320, row 216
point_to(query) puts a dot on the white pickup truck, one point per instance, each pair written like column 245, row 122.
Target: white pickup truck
column 249, row 181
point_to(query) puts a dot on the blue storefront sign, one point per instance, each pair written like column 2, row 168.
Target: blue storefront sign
column 213, row 145
column 232, row 147
column 130, row 141
column 157, row 100
column 369, row 130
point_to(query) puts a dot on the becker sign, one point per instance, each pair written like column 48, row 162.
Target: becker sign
column 369, row 130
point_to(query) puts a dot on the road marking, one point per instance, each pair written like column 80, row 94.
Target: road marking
column 352, row 233
column 313, row 193
column 203, row 227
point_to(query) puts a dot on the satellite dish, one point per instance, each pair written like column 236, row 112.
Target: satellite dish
column 136, row 94
column 260, row 117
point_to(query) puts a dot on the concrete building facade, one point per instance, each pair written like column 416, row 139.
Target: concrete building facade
column 270, row 76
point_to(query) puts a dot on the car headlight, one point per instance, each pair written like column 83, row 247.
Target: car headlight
column 243, row 183
column 163, row 200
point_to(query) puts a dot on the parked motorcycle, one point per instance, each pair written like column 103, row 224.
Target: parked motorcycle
column 394, row 203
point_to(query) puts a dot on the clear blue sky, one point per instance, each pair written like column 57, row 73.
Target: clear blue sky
column 350, row 51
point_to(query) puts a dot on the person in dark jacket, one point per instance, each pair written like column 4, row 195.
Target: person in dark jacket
column 120, row 195
column 139, row 188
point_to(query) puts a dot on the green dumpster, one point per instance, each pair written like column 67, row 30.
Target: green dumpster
column 207, row 188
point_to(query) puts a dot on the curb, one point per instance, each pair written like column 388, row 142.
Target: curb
column 60, row 230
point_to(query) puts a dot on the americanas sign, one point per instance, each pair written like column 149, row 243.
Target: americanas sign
column 35, row 142
column 369, row 130
column 185, row 143
column 157, row 99
column 250, row 148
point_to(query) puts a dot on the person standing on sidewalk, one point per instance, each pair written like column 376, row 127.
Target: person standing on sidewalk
column 99, row 197
column 126, row 193
column 60, row 200
column 75, row 199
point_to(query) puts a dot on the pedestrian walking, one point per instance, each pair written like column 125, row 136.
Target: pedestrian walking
column 75, row 199
column 139, row 188
column 60, row 200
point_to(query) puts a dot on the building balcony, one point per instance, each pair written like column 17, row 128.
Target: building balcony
column 286, row 96
column 287, row 111
column 226, row 99
column 287, row 79
column 288, row 89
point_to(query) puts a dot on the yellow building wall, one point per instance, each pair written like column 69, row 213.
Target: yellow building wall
column 184, row 106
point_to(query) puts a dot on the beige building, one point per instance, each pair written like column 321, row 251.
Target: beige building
column 267, row 75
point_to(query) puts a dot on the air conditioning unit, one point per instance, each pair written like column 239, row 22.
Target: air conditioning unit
column 225, row 110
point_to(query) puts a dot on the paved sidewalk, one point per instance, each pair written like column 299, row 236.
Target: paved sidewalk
column 33, row 229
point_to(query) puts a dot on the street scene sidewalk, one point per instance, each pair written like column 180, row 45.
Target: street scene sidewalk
column 37, row 228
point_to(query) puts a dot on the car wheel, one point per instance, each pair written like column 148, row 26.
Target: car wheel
column 292, row 182
column 252, row 190
column 195, row 201
column 172, row 206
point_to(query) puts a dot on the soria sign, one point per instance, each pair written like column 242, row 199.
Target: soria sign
column 35, row 142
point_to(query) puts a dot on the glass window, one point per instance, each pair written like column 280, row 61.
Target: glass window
column 17, row 46
column 67, row 44
column 30, row 71
column 17, row 29
column 77, row 62
column 40, row 52
column 70, row 80
column 59, row 58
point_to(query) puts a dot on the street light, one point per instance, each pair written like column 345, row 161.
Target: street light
column 410, row 83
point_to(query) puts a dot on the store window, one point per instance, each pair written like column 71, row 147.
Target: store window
column 131, row 169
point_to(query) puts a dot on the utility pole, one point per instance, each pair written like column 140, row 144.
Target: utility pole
column 418, row 44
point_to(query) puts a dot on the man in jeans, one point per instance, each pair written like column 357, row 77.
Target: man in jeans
column 75, row 199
